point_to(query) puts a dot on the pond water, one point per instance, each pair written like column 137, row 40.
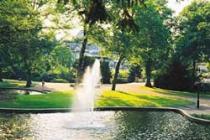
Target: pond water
column 106, row 125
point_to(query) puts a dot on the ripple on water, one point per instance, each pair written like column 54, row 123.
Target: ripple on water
column 105, row 125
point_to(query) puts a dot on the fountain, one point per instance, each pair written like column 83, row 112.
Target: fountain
column 87, row 90
column 84, row 100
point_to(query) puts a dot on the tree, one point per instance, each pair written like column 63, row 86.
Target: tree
column 176, row 76
column 90, row 12
column 118, row 42
column 93, row 11
column 62, row 59
column 153, row 37
column 193, row 34
column 20, row 30
column 134, row 72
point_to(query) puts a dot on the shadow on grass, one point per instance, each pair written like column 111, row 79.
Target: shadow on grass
column 119, row 98
column 8, row 83
column 161, row 100
column 5, row 84
column 181, row 93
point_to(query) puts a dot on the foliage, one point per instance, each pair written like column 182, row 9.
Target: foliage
column 152, row 40
column 105, row 72
column 62, row 56
column 123, row 76
column 134, row 72
column 193, row 31
column 20, row 30
column 175, row 77
column 59, row 81
column 208, row 66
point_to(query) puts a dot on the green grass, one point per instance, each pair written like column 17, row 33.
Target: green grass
column 140, row 97
column 109, row 98
column 117, row 98
column 13, row 83
column 51, row 100
column 202, row 116
column 181, row 93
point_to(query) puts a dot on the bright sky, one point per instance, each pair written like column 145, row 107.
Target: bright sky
column 178, row 6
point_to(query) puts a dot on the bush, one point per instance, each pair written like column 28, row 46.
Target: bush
column 48, row 77
column 134, row 72
column 122, row 80
column 123, row 76
column 59, row 81
column 105, row 72
column 205, row 87
column 176, row 77
column 69, row 76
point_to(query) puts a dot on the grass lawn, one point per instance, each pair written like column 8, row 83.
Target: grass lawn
column 140, row 97
column 51, row 100
column 148, row 97
column 13, row 83
column 202, row 116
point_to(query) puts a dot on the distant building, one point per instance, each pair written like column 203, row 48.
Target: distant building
column 93, row 51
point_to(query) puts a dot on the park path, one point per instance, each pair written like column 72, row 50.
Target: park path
column 132, row 88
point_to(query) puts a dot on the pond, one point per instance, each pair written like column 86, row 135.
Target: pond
column 106, row 125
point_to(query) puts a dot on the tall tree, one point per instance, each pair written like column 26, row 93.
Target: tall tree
column 153, row 36
column 193, row 33
column 118, row 37
column 90, row 12
column 21, row 34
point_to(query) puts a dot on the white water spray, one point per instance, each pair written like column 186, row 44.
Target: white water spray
column 83, row 105
column 88, row 89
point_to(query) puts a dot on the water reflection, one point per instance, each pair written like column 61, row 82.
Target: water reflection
column 158, row 125
column 13, row 126
column 116, row 125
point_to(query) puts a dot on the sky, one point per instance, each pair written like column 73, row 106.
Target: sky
column 177, row 7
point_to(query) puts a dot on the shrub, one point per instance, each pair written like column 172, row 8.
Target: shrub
column 105, row 72
column 205, row 87
column 123, row 76
column 59, row 81
column 176, row 77
column 134, row 72
column 68, row 75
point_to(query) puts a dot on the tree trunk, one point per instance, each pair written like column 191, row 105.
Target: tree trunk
column 28, row 79
column 148, row 74
column 80, row 68
column 116, row 73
